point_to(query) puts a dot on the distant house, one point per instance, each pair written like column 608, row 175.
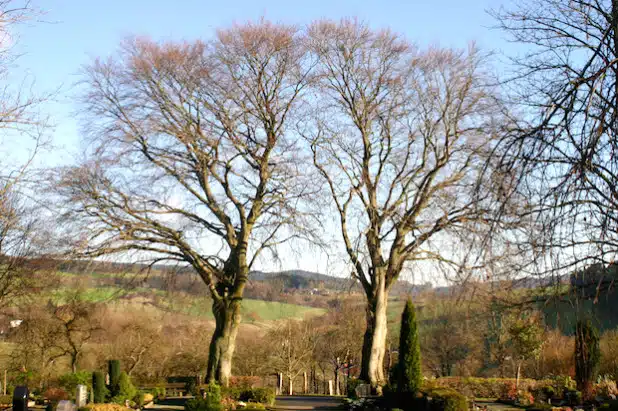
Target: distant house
column 15, row 323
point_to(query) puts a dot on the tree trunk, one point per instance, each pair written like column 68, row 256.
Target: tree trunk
column 291, row 391
column 223, row 342
column 518, row 375
column 337, row 392
column 374, row 342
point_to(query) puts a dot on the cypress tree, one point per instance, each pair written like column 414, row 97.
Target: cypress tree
column 98, row 387
column 409, row 375
column 587, row 356
column 114, row 376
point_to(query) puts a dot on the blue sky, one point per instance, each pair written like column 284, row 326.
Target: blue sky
column 76, row 31
column 73, row 32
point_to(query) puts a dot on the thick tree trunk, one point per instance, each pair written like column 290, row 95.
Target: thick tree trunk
column 374, row 342
column 223, row 342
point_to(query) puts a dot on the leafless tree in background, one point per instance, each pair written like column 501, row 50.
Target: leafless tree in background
column 193, row 160
column 565, row 155
column 398, row 138
column 21, row 126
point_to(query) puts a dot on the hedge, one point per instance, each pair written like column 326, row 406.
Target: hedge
column 493, row 387
column 446, row 399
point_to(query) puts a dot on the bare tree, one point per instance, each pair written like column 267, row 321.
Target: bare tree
column 76, row 323
column 565, row 154
column 397, row 139
column 194, row 161
column 293, row 343
column 21, row 128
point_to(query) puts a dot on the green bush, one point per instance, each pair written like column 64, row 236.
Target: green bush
column 157, row 392
column 409, row 376
column 114, row 376
column 351, row 386
column 445, row 399
column 233, row 393
column 6, row 399
column 210, row 402
column 70, row 381
column 138, row 399
column 99, row 390
column 261, row 395
column 474, row 387
column 126, row 389
column 254, row 406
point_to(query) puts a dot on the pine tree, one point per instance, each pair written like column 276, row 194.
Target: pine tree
column 587, row 356
column 409, row 375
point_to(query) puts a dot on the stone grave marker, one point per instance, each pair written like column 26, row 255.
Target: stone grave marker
column 81, row 395
column 20, row 398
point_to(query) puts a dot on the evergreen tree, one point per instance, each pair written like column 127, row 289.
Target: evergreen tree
column 409, row 375
column 587, row 356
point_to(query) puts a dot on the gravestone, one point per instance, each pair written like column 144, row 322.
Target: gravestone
column 363, row 390
column 65, row 405
column 81, row 396
column 20, row 398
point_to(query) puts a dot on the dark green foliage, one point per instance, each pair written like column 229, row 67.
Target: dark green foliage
column 70, row 381
column 409, row 377
column 6, row 399
column 138, row 399
column 445, row 399
column 261, row 395
column 587, row 356
column 100, row 391
column 49, row 407
column 114, row 376
column 126, row 389
column 211, row 402
column 352, row 383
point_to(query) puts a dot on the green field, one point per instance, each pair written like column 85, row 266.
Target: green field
column 253, row 311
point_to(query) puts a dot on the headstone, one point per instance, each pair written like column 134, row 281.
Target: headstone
column 20, row 398
column 66, row 405
column 81, row 396
column 363, row 390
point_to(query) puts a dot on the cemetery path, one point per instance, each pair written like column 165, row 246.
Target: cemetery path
column 170, row 404
column 308, row 403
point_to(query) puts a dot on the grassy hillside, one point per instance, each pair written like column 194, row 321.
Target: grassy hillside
column 253, row 311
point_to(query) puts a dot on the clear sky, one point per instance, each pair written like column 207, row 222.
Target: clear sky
column 73, row 32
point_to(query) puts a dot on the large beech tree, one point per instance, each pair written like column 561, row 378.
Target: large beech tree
column 397, row 137
column 192, row 160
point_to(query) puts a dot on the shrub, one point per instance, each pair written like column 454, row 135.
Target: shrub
column 409, row 375
column 351, row 386
column 139, row 399
column 261, row 395
column 573, row 397
column 245, row 382
column 55, row 394
column 444, row 399
column 126, row 389
column 70, row 381
column 606, row 387
column 254, row 406
column 232, row 393
column 6, row 399
column 114, row 376
column 99, row 390
column 210, row 402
